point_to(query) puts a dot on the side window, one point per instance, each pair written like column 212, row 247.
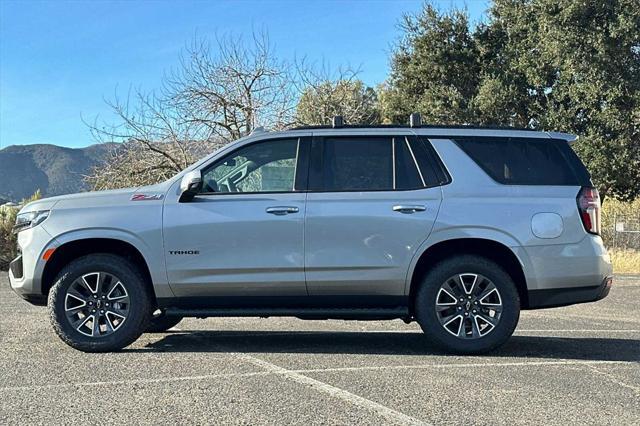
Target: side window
column 364, row 164
column 357, row 164
column 516, row 161
column 262, row 167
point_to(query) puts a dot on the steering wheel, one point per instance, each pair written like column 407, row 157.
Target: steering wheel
column 232, row 186
column 211, row 185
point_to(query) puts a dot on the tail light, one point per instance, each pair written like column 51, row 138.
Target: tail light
column 589, row 209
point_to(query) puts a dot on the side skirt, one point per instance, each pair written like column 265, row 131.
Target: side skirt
column 305, row 307
column 302, row 313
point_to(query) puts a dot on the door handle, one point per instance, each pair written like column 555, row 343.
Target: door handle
column 408, row 209
column 282, row 210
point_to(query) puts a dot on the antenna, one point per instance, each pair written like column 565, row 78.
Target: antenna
column 415, row 120
column 337, row 121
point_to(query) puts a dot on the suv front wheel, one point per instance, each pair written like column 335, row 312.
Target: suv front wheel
column 467, row 304
column 99, row 303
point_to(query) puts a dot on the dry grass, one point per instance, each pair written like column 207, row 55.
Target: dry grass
column 625, row 261
column 623, row 212
column 624, row 248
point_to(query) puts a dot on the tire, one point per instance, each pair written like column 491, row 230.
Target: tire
column 161, row 323
column 481, row 322
column 102, row 286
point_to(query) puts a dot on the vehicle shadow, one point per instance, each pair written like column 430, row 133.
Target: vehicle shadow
column 389, row 343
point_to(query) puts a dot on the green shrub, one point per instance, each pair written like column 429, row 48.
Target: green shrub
column 8, row 243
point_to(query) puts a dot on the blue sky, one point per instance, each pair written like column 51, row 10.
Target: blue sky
column 60, row 60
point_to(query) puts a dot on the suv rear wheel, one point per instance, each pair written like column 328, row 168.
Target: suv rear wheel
column 467, row 304
column 99, row 303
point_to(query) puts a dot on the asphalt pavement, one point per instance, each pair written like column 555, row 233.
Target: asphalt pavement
column 574, row 365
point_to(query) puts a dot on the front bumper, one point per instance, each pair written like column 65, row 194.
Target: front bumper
column 552, row 298
column 25, row 271
column 24, row 288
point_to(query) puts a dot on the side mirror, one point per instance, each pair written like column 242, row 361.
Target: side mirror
column 190, row 185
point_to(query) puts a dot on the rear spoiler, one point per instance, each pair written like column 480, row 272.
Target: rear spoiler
column 568, row 137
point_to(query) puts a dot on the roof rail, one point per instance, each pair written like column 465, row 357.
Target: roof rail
column 571, row 139
column 423, row 126
column 415, row 120
column 257, row 130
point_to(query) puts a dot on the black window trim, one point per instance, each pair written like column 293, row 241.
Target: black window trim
column 415, row 162
column 301, row 171
column 435, row 162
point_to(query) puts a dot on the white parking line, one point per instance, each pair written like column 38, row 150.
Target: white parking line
column 609, row 376
column 463, row 365
column 279, row 370
column 389, row 414
column 590, row 318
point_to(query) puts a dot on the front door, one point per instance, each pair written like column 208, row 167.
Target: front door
column 369, row 208
column 243, row 234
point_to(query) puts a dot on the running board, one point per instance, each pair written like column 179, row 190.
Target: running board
column 303, row 313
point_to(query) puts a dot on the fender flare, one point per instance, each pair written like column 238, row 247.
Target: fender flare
column 458, row 233
column 156, row 267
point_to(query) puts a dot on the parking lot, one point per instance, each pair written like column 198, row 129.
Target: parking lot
column 568, row 365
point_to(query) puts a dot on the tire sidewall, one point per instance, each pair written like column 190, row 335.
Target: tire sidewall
column 426, row 299
column 139, row 311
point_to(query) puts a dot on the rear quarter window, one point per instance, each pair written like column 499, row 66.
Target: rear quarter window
column 519, row 161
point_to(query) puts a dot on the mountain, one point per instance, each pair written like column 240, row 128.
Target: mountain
column 53, row 169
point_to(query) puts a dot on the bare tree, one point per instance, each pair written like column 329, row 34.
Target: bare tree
column 237, row 89
column 215, row 96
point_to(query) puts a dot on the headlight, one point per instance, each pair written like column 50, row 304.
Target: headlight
column 29, row 220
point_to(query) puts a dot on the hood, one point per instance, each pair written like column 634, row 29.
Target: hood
column 96, row 198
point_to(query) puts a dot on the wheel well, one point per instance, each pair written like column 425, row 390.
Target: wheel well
column 492, row 250
column 75, row 249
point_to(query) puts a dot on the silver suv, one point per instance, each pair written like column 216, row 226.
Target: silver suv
column 456, row 228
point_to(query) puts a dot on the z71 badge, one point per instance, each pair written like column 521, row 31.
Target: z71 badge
column 146, row 197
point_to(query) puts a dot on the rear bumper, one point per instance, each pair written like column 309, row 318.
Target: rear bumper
column 551, row 298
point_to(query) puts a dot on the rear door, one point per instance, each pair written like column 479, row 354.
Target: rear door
column 369, row 207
